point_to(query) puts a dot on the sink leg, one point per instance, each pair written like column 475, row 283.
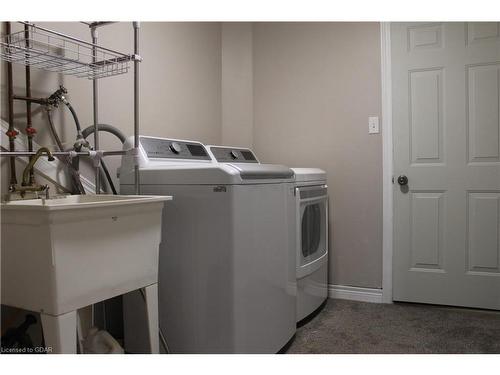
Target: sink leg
column 151, row 297
column 59, row 332
column 83, row 325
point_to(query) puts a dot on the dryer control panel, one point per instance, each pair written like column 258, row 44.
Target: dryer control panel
column 233, row 155
column 161, row 148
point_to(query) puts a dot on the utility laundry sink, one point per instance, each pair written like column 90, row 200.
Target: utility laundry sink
column 61, row 254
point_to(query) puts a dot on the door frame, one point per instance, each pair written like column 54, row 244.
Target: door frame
column 387, row 163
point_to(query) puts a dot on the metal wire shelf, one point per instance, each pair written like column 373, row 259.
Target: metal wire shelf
column 52, row 51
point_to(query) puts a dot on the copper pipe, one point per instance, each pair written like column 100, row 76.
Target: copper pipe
column 11, row 133
column 41, row 101
column 29, row 128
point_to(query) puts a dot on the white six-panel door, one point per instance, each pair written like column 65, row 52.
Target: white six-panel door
column 446, row 129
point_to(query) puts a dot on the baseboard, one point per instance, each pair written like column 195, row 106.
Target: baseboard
column 354, row 293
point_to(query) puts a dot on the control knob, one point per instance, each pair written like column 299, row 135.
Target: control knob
column 175, row 147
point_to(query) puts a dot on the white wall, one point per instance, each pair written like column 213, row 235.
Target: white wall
column 315, row 84
column 237, row 84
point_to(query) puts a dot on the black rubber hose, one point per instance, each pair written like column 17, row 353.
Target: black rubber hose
column 108, row 176
column 104, row 168
column 76, row 160
column 54, row 132
column 75, row 117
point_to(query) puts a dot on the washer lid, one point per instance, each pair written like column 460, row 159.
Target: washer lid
column 309, row 174
column 197, row 173
column 262, row 171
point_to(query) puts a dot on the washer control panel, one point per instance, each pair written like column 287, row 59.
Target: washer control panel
column 235, row 155
column 173, row 149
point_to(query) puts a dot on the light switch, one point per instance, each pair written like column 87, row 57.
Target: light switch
column 373, row 127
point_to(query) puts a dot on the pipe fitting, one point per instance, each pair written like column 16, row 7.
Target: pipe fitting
column 30, row 131
column 72, row 154
column 80, row 143
column 58, row 96
column 96, row 157
column 12, row 134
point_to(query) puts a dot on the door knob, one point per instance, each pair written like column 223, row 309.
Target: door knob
column 403, row 180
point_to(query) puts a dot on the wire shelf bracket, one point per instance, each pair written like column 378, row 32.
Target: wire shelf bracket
column 56, row 52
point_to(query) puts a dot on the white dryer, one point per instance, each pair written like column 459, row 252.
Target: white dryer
column 225, row 280
column 311, row 193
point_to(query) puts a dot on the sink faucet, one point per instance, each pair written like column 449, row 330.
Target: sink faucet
column 15, row 190
column 34, row 159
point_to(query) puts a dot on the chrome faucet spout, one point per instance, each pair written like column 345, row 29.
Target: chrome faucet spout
column 34, row 159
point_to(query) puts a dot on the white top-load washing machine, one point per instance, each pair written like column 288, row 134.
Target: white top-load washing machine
column 311, row 195
column 225, row 275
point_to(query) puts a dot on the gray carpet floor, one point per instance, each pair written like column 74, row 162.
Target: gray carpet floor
column 358, row 327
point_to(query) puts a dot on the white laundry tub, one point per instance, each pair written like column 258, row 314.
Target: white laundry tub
column 61, row 254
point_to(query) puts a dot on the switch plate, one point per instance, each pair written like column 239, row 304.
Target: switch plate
column 373, row 125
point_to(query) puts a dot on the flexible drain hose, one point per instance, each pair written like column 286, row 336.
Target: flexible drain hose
column 104, row 128
column 83, row 135
column 108, row 129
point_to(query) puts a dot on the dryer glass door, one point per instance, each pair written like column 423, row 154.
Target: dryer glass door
column 313, row 231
